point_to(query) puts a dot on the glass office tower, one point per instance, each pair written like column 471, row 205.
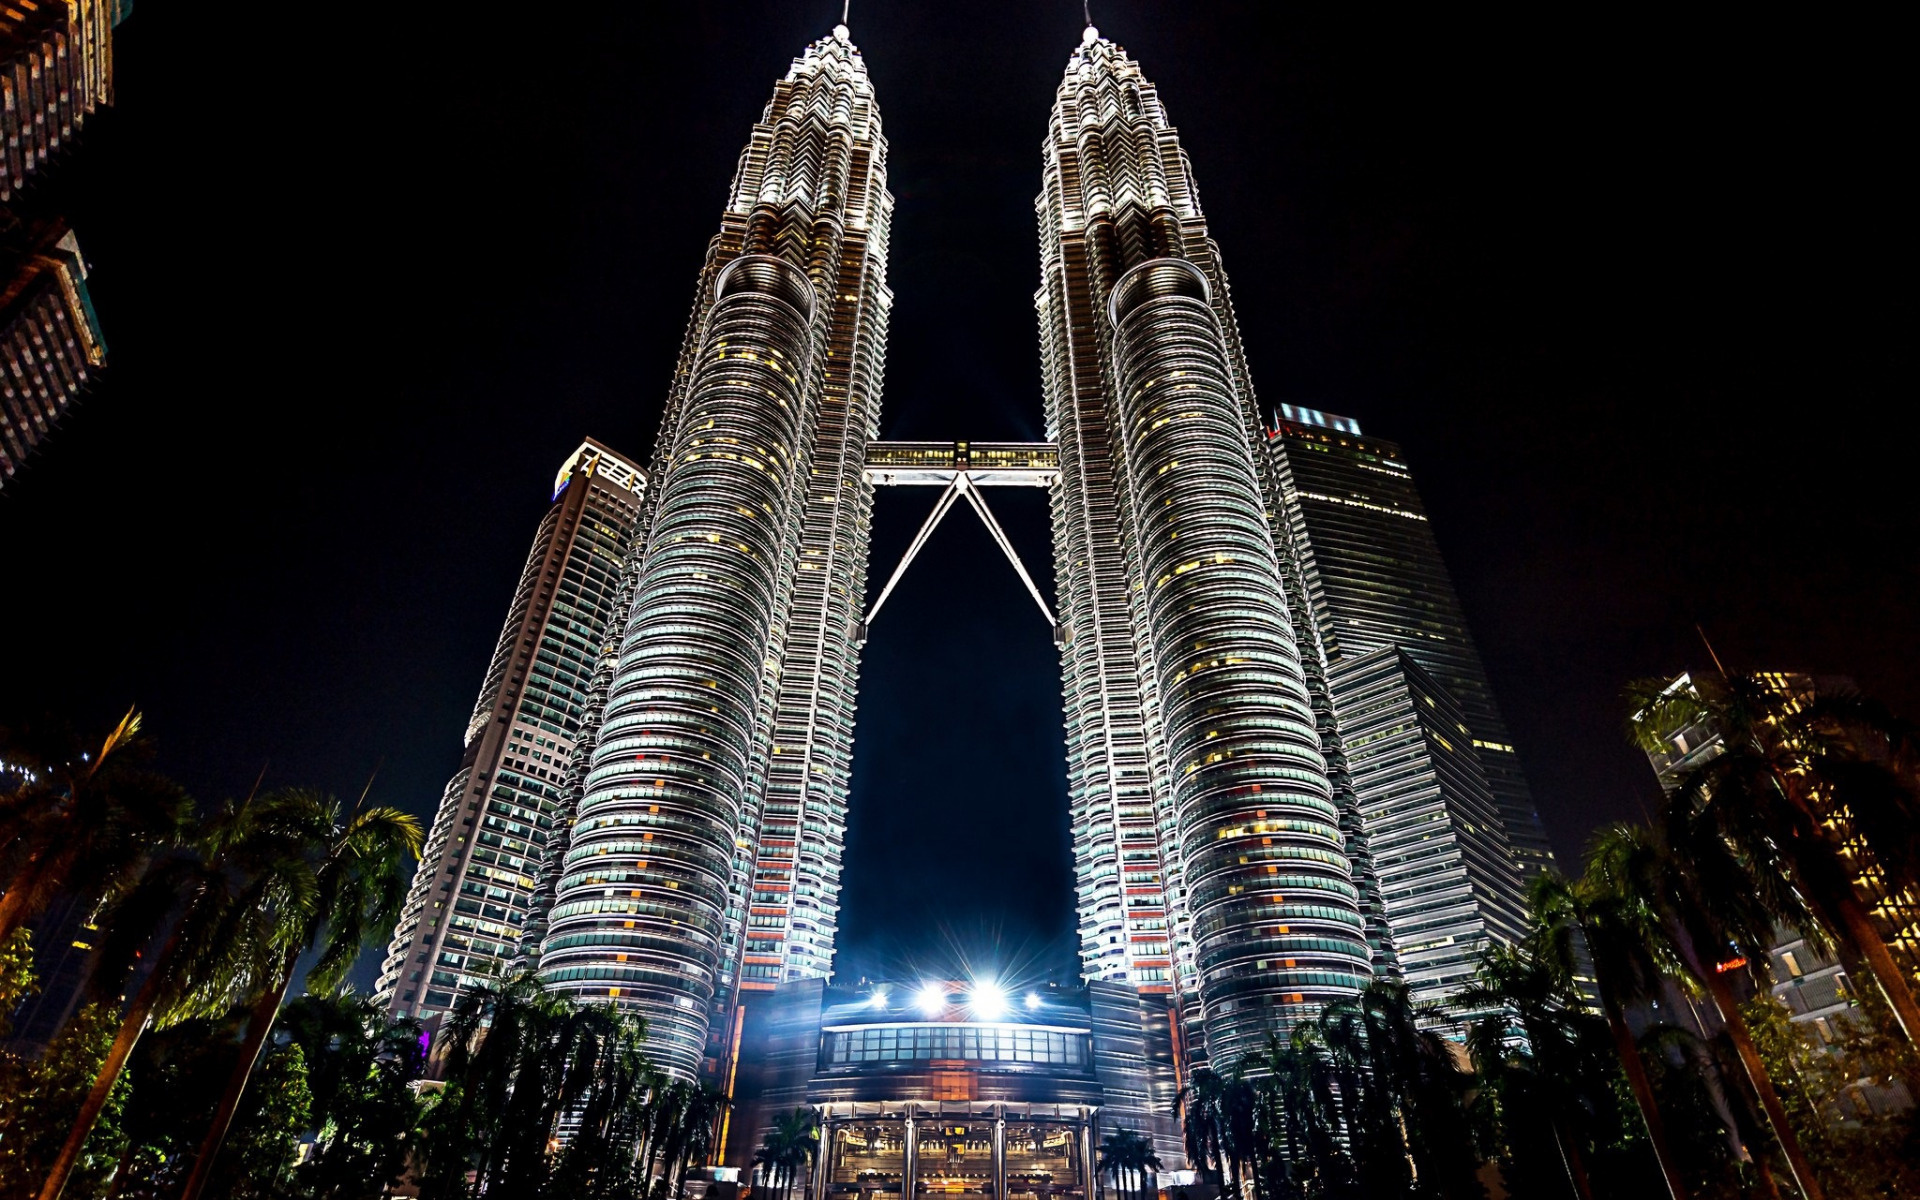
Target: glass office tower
column 464, row 915
column 1439, row 848
column 704, row 850
column 1210, row 851
column 1376, row 579
column 50, row 343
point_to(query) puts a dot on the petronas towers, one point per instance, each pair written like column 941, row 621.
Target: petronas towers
column 696, row 847
column 704, row 849
column 1208, row 844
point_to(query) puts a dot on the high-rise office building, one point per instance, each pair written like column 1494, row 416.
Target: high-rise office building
column 1376, row 579
column 705, row 848
column 56, row 69
column 1439, row 848
column 50, row 343
column 464, row 915
column 1209, row 847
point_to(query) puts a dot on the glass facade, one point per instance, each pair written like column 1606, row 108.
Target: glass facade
column 56, row 70
column 1440, row 851
column 50, row 343
column 1375, row 579
column 955, row 1154
column 473, row 893
column 988, row 1043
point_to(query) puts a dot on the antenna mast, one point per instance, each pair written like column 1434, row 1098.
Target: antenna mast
column 1710, row 654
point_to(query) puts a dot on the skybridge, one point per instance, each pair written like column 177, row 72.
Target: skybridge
column 986, row 464
column 960, row 470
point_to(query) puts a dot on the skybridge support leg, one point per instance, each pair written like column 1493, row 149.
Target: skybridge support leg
column 954, row 491
column 947, row 497
column 979, row 503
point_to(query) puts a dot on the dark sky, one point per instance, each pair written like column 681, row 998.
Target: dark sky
column 1630, row 287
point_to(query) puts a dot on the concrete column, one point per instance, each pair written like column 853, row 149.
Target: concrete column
column 823, row 1161
column 910, row 1169
column 1088, row 1159
column 1000, row 1152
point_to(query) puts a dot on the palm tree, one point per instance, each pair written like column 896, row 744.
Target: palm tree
column 1704, row 904
column 802, row 1136
column 76, row 823
column 693, row 1138
column 1216, row 1116
column 601, row 1159
column 1428, row 1079
column 793, row 1142
column 1299, row 1116
column 518, row 1058
column 1114, row 1151
column 1628, row 956
column 1127, row 1155
column 1370, row 1126
column 771, row 1158
column 1196, row 1108
column 1551, row 1076
column 342, row 892
column 361, row 1065
column 1147, row 1163
column 1790, row 770
column 222, row 888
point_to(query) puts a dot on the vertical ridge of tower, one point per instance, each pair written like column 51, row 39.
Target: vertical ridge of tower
column 1211, row 855
column 695, row 854
column 1314, row 663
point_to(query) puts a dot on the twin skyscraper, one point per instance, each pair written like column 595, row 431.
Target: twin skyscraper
column 663, row 827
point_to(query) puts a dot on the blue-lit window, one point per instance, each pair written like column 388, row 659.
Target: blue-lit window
column 957, row 1042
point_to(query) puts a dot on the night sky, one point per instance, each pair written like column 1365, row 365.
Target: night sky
column 1622, row 284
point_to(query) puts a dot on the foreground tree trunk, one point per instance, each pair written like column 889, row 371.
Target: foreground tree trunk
column 1797, row 1164
column 1859, row 928
column 1846, row 907
column 132, row 1026
column 13, row 904
column 1636, row 1070
column 259, row 1024
column 122, row 1169
column 1576, row 1164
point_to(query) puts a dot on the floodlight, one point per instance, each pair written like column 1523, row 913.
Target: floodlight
column 986, row 1000
column 932, row 999
column 879, row 998
column 1033, row 999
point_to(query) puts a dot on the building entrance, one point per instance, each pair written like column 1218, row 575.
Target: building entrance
column 955, row 1151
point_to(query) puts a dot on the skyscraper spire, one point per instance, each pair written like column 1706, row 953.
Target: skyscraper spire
column 1210, row 853
column 705, row 849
